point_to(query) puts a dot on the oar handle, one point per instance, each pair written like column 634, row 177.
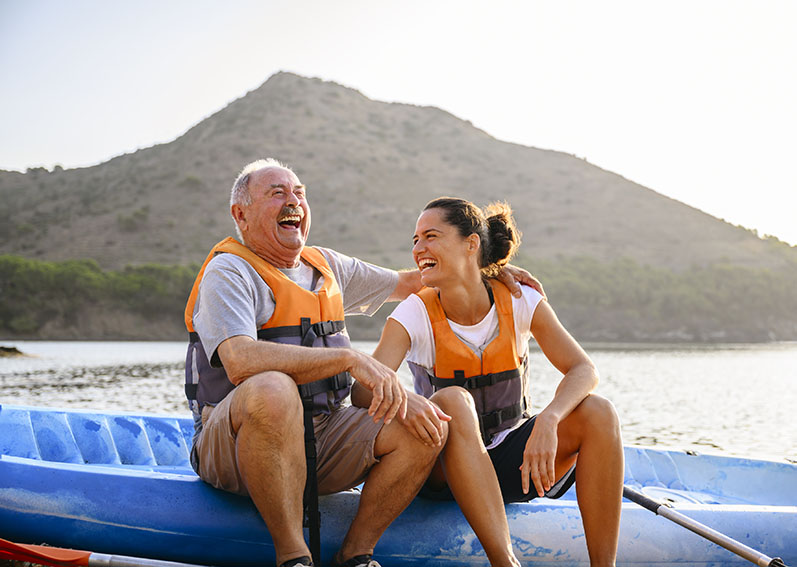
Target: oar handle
column 702, row 530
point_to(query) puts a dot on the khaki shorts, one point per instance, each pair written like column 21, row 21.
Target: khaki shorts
column 344, row 443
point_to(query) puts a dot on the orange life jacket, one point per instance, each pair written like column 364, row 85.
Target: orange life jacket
column 496, row 379
column 300, row 317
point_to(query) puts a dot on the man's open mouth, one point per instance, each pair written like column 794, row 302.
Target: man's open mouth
column 291, row 218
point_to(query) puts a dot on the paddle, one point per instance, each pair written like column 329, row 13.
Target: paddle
column 710, row 534
column 58, row 557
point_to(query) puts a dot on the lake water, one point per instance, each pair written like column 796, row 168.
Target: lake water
column 732, row 399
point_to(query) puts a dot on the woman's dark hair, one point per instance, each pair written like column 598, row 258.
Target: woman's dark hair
column 495, row 226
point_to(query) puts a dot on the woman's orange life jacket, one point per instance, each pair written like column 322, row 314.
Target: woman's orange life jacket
column 496, row 379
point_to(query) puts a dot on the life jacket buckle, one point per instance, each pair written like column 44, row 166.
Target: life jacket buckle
column 491, row 379
column 324, row 328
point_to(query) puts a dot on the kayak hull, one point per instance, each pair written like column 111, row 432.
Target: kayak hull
column 159, row 508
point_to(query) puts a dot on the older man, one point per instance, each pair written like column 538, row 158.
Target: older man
column 257, row 309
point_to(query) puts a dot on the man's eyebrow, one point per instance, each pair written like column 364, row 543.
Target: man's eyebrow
column 283, row 186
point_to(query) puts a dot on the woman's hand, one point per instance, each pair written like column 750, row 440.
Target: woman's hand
column 539, row 456
column 424, row 420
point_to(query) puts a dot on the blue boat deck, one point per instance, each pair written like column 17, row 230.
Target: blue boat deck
column 125, row 481
column 162, row 444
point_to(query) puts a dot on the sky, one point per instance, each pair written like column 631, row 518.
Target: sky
column 694, row 99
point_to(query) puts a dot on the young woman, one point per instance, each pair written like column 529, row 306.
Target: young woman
column 466, row 339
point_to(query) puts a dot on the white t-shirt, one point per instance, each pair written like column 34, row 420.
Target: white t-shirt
column 412, row 315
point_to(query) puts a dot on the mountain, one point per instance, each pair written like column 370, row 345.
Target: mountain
column 369, row 167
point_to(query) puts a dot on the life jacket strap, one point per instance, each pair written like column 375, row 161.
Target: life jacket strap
column 306, row 391
column 331, row 384
column 312, row 516
column 474, row 382
column 495, row 418
column 308, row 332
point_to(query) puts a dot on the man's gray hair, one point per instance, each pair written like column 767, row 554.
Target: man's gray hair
column 239, row 194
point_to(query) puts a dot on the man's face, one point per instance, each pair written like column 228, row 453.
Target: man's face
column 276, row 224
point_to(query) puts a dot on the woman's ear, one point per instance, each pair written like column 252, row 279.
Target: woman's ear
column 473, row 242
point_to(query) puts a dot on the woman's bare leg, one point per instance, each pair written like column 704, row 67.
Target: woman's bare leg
column 592, row 433
column 470, row 475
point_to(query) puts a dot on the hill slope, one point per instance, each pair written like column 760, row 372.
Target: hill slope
column 369, row 167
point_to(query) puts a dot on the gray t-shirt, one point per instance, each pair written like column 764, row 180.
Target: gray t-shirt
column 234, row 300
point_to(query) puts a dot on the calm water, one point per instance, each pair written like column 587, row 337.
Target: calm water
column 737, row 399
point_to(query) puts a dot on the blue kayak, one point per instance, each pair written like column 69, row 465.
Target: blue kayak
column 121, row 483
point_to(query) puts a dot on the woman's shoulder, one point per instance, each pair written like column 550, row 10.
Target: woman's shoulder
column 530, row 297
column 409, row 310
column 525, row 306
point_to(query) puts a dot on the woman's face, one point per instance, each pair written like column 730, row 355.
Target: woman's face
column 439, row 251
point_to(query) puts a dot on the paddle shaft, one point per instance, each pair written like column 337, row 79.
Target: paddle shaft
column 103, row 560
column 703, row 530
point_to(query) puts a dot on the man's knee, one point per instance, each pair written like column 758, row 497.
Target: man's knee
column 268, row 398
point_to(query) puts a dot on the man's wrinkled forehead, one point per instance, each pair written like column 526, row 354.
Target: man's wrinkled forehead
column 277, row 177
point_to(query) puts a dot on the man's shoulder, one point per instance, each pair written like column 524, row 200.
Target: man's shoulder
column 226, row 260
column 333, row 255
column 224, row 266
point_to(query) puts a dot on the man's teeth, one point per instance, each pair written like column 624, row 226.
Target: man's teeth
column 292, row 219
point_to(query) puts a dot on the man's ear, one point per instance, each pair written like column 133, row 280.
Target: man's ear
column 238, row 213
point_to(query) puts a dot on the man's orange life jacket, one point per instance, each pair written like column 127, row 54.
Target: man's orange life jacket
column 301, row 317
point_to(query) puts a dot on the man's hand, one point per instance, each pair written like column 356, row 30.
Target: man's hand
column 389, row 398
column 539, row 457
column 424, row 419
column 512, row 276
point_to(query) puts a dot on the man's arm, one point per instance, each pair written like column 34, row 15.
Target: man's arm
column 409, row 282
column 244, row 357
column 512, row 276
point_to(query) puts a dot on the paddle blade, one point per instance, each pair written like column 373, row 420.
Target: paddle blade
column 43, row 555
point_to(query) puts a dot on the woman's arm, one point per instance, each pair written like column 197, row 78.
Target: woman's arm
column 393, row 344
column 579, row 380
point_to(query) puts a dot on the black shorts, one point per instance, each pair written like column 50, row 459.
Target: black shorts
column 507, row 458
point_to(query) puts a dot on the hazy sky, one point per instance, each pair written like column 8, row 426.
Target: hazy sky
column 694, row 99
